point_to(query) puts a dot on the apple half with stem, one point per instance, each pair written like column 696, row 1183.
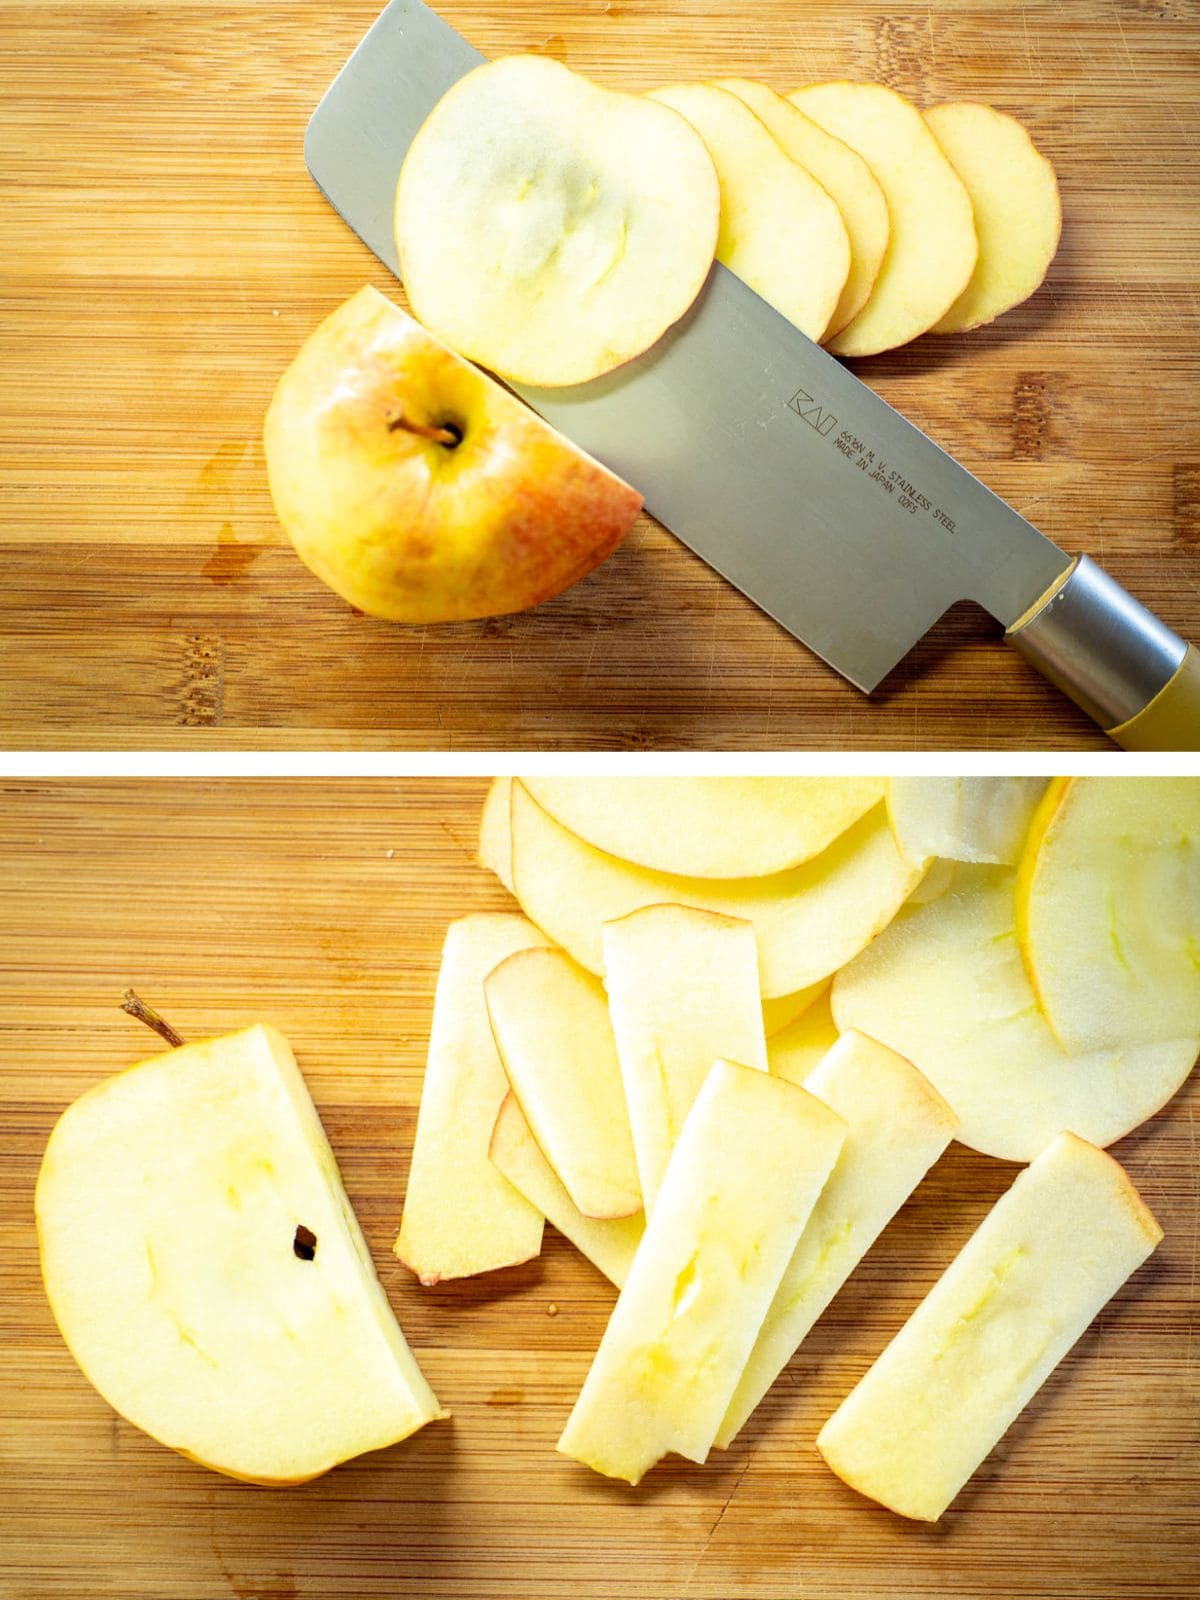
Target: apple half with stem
column 420, row 490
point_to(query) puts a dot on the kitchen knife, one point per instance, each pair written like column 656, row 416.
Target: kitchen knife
column 773, row 462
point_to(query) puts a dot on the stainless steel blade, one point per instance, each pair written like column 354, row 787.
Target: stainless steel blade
column 752, row 444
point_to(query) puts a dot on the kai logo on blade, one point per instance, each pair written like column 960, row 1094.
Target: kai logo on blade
column 807, row 409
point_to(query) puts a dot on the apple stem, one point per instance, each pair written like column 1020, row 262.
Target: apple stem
column 447, row 436
column 134, row 1006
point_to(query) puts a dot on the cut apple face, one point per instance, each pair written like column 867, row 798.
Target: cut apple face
column 495, row 833
column 780, row 231
column 798, row 1049
column 742, row 1181
column 844, row 175
column 939, row 880
column 1108, row 910
column 1048, row 1256
column 897, row 1126
column 708, row 827
column 207, row 1272
column 608, row 1243
column 944, row 986
column 551, row 1026
column 682, row 991
column 932, row 247
column 807, row 921
column 1018, row 214
column 551, row 229
column 964, row 819
column 461, row 1215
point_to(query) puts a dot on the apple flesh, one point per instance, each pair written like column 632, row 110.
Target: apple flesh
column 963, row 819
column 208, row 1274
column 796, row 1050
column 1045, row 1260
column 417, row 488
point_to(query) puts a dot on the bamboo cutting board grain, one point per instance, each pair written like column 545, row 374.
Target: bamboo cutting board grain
column 165, row 253
column 321, row 907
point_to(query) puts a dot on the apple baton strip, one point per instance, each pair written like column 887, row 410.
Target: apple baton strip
column 1046, row 1258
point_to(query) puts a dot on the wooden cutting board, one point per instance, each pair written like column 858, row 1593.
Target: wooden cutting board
column 321, row 907
column 165, row 254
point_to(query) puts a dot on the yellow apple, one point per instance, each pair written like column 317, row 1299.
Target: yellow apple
column 551, row 229
column 417, row 488
column 1040, row 1267
column 208, row 1274
column 963, row 819
column 461, row 1216
column 742, row 1181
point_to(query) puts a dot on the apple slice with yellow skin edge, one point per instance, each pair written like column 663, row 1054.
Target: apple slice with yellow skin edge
column 1041, row 1266
column 417, row 488
column 708, row 827
column 944, row 986
column 964, row 819
column 808, row 921
column 742, row 1181
column 495, row 834
column 1018, row 213
column 551, row 229
column 550, row 1022
column 846, row 177
column 801, row 1047
column 1108, row 910
column 897, row 1125
column 206, row 1270
column 784, row 1009
column 682, row 990
column 461, row 1215
column 781, row 232
column 932, row 247
column 609, row 1244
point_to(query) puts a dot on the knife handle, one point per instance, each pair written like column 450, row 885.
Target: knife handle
column 1113, row 657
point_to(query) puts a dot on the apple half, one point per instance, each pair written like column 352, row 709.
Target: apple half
column 208, row 1274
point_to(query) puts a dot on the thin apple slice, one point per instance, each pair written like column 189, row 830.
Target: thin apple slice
column 932, row 247
column 753, row 1156
column 1045, row 1260
column 1108, row 910
column 944, row 986
column 843, row 173
column 779, row 1013
column 709, row 827
column 808, row 921
column 682, row 990
column 1018, row 213
column 964, row 819
column 799, row 1048
column 609, row 1244
column 550, row 1022
column 781, row 232
column 461, row 1216
column 495, row 834
column 551, row 229
column 939, row 880
column 207, row 1272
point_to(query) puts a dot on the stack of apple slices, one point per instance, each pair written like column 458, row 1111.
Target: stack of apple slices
column 736, row 1025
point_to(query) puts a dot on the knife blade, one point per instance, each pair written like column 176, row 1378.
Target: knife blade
column 768, row 457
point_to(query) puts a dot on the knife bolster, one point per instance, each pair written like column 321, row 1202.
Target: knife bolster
column 1099, row 645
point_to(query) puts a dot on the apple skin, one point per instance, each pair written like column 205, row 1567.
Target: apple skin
column 411, row 529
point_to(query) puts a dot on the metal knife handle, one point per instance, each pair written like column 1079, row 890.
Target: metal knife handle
column 1128, row 671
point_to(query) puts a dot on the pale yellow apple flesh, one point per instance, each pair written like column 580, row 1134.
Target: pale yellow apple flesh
column 1018, row 214
column 608, row 1243
column 944, row 985
column 939, row 880
column 461, row 1215
column 169, row 1208
column 551, row 1026
column 932, row 247
column 794, row 1052
column 1108, row 910
column 808, row 921
column 1048, row 1256
column 753, row 1156
column 781, row 232
column 781, row 1011
column 708, row 827
column 897, row 1126
column 839, row 170
column 682, row 990
column 551, row 229
column 495, row 834
column 964, row 819
column 494, row 513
